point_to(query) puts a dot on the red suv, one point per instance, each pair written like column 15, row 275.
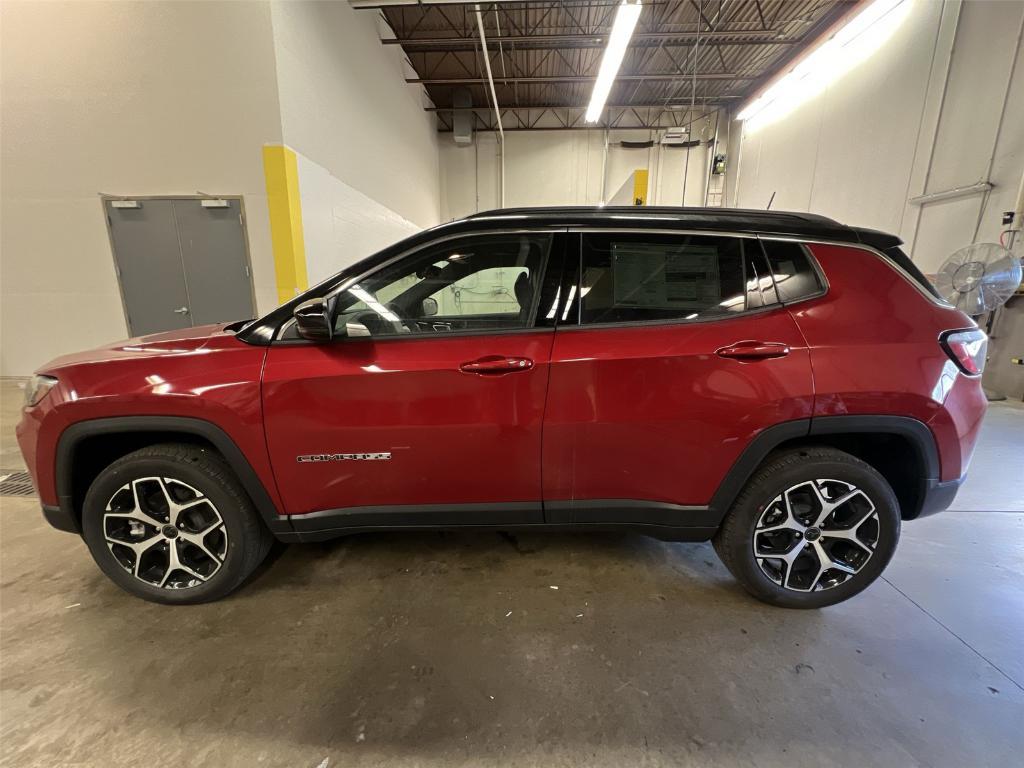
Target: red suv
column 786, row 386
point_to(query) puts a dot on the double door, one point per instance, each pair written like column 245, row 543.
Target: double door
column 180, row 262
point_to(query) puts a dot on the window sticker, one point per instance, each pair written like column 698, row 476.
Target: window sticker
column 657, row 276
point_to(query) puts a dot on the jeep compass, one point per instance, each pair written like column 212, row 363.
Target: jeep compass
column 785, row 386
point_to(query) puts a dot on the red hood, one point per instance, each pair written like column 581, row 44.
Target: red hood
column 180, row 341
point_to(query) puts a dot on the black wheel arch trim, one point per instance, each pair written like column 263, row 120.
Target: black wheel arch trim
column 73, row 435
column 915, row 431
column 336, row 522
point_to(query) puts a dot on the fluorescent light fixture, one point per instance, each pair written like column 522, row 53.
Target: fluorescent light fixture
column 854, row 42
column 622, row 30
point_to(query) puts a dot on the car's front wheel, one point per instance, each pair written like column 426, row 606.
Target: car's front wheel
column 813, row 527
column 171, row 524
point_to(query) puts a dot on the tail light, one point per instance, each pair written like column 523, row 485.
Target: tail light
column 967, row 349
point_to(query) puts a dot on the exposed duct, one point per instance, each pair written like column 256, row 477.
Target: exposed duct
column 462, row 119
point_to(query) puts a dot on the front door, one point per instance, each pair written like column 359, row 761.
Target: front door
column 434, row 418
column 676, row 356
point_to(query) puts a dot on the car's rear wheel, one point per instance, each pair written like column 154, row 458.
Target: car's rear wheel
column 813, row 527
column 170, row 523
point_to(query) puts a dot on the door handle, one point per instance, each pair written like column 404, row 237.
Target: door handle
column 496, row 365
column 754, row 350
column 181, row 311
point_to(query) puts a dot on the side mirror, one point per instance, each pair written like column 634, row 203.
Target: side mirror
column 429, row 307
column 314, row 321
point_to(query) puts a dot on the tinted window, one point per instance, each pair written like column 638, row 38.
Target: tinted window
column 795, row 278
column 472, row 284
column 635, row 277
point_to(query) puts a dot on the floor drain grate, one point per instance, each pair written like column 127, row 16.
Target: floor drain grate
column 16, row 484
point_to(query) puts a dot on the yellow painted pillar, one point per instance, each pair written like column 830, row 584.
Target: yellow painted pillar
column 640, row 186
column 280, row 168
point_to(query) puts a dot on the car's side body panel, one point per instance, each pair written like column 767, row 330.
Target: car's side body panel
column 651, row 412
column 451, row 437
column 875, row 350
column 204, row 374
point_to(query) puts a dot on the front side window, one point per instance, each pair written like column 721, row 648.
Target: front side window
column 634, row 278
column 486, row 282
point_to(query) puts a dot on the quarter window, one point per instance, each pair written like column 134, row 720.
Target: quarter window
column 795, row 277
column 636, row 278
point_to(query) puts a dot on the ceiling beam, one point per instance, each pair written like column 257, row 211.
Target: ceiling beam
column 579, row 78
column 710, row 102
column 357, row 4
column 593, row 41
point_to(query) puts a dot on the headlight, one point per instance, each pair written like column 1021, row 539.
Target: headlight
column 37, row 388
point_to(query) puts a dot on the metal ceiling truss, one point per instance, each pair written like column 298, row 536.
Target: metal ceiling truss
column 555, row 118
column 544, row 55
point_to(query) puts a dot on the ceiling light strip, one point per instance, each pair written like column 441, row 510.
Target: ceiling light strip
column 622, row 30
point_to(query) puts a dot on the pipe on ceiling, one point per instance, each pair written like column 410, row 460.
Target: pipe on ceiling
column 494, row 96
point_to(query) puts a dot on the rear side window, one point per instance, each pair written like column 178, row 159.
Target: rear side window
column 636, row 278
column 795, row 277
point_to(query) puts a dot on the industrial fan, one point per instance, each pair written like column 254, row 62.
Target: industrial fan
column 979, row 278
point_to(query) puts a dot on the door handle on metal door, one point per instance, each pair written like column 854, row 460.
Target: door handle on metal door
column 181, row 311
column 754, row 350
column 496, row 365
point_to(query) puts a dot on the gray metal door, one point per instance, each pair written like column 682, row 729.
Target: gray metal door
column 180, row 263
column 216, row 261
column 148, row 258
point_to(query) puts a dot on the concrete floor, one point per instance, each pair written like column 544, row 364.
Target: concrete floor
column 456, row 650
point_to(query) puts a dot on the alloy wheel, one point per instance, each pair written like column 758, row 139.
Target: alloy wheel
column 816, row 535
column 165, row 533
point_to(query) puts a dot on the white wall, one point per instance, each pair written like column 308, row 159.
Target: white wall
column 345, row 105
column 940, row 105
column 126, row 99
column 169, row 98
column 559, row 167
column 340, row 224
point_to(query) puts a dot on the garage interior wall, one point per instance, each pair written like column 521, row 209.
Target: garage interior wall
column 564, row 167
column 939, row 106
column 169, row 98
column 367, row 150
column 125, row 99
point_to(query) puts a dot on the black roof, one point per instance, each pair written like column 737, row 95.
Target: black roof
column 714, row 219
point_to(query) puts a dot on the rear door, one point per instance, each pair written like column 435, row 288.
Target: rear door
column 673, row 355
column 435, row 417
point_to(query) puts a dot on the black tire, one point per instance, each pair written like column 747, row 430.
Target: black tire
column 228, row 561
column 735, row 540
